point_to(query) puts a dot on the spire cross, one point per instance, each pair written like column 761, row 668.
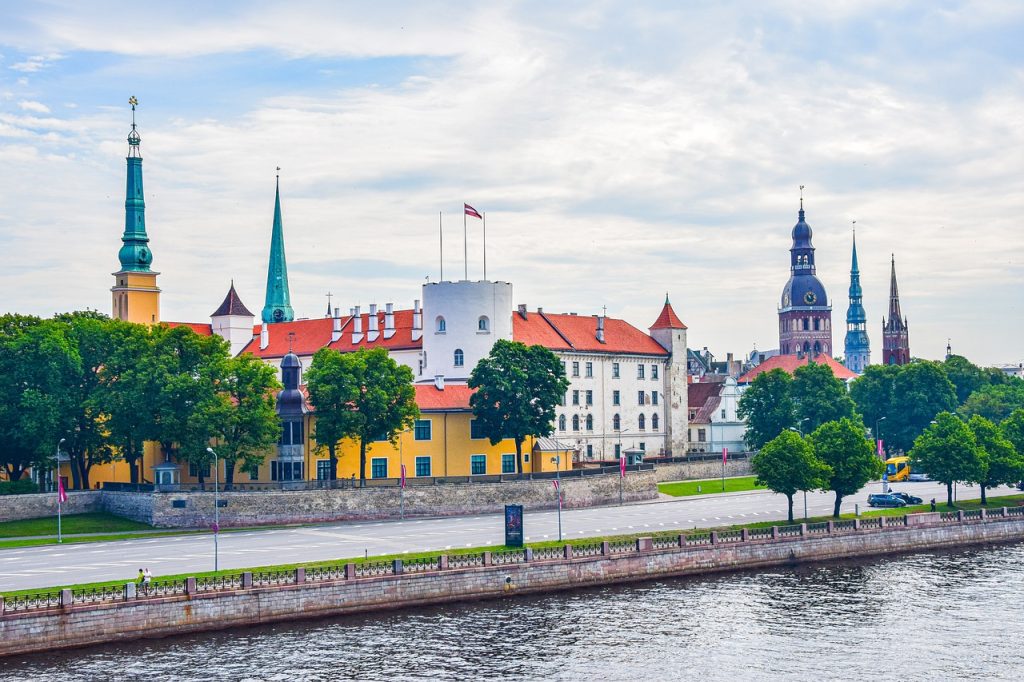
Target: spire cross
column 329, row 294
column 604, row 311
column 801, row 197
column 854, row 228
column 279, row 172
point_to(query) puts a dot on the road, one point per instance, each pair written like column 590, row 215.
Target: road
column 89, row 562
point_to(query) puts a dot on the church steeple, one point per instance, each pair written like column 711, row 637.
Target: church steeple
column 895, row 331
column 278, row 306
column 857, row 347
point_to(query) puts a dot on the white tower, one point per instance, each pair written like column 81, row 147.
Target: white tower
column 669, row 331
column 232, row 321
column 461, row 321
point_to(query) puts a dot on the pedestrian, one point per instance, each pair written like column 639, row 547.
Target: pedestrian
column 933, row 504
column 147, row 577
column 141, row 578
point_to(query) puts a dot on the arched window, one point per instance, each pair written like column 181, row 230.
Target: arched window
column 483, row 324
column 642, row 422
column 440, row 326
column 807, row 323
column 459, row 357
column 590, row 422
column 575, row 422
column 807, row 347
column 616, row 422
column 654, row 421
column 561, row 422
column 817, row 324
column 817, row 347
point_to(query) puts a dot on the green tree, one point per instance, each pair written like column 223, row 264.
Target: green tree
column 819, row 396
column 767, row 407
column 364, row 395
column 920, row 391
column 787, row 464
column 872, row 393
column 251, row 424
column 1013, row 428
column 841, row 445
column 1002, row 464
column 965, row 376
column 516, row 390
column 948, row 451
column 995, row 402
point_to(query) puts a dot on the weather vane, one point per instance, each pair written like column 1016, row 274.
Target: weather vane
column 854, row 228
column 801, row 197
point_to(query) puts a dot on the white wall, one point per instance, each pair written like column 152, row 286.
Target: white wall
column 461, row 305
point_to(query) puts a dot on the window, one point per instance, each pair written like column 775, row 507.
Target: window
column 817, row 324
column 640, row 371
column 440, row 326
column 323, row 470
column 254, row 472
column 643, row 446
column 618, row 451
column 588, row 369
column 654, row 397
column 590, row 422
column 194, row 470
column 807, row 323
column 723, row 414
column 693, row 414
column 561, row 422
column 476, row 429
column 379, row 467
column 817, row 346
column 575, row 368
column 654, row 421
column 590, row 397
column 590, row 451
column 483, row 324
column 422, row 429
column 575, row 397
column 640, row 398
column 423, row 467
column 616, row 422
column 641, row 422
column 291, row 433
column 459, row 357
column 654, row 371
column 575, row 422
column 615, row 370
column 287, row 471
column 615, row 398
column 701, row 436
column 508, row 464
column 526, row 456
column 478, row 465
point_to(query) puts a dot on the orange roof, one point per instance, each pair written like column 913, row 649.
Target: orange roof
column 402, row 337
column 559, row 331
column 668, row 318
column 453, row 397
column 313, row 334
column 197, row 327
column 789, row 363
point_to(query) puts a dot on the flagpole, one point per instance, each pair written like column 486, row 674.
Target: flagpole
column 465, row 246
column 60, row 493
column 440, row 237
column 484, row 214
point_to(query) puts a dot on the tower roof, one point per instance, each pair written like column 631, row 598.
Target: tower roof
column 894, row 295
column 278, row 305
column 232, row 305
column 134, row 254
column 668, row 318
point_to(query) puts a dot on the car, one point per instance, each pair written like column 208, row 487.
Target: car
column 920, row 477
column 909, row 499
column 885, row 500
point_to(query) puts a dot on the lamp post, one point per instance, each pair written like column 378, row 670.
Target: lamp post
column 216, row 510
column 557, row 459
column 622, row 464
column 796, row 430
column 60, row 535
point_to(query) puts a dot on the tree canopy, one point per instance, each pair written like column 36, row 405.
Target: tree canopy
column 250, row 425
column 819, row 397
column 767, row 406
column 851, row 459
column 949, row 452
column 920, row 391
column 995, row 402
column 517, row 388
column 1001, row 463
column 787, row 464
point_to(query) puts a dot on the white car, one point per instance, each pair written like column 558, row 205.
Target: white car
column 918, row 478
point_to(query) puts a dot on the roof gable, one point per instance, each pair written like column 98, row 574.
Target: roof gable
column 789, row 363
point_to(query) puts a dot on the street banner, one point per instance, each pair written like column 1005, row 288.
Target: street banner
column 556, row 483
column 513, row 525
column 880, row 447
column 403, row 476
column 62, row 495
column 725, row 455
column 622, row 466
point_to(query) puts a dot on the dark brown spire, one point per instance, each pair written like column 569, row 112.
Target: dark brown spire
column 232, row 305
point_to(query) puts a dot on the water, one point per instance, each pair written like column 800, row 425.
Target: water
column 955, row 615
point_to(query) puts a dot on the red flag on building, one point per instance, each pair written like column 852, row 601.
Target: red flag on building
column 470, row 211
column 403, row 475
column 62, row 495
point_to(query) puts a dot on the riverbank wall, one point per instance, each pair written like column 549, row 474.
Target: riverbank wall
column 78, row 618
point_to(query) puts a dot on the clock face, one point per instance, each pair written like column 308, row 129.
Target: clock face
column 785, row 299
column 144, row 255
column 278, row 315
column 810, row 298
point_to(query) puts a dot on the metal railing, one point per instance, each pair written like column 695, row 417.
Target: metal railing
column 548, row 553
column 372, row 569
column 219, row 583
column 96, row 595
column 266, row 578
column 587, row 549
column 325, row 573
column 846, row 524
column 35, row 601
column 465, row 560
column 505, row 557
column 162, row 588
column 696, row 539
column 665, row 541
column 817, row 528
column 729, row 536
column 789, row 531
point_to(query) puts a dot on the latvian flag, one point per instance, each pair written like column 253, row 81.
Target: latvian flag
column 555, row 482
column 62, row 495
column 470, row 211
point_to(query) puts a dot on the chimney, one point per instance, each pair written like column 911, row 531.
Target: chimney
column 417, row 321
column 336, row 325
column 264, row 337
column 522, row 310
column 357, row 321
column 389, row 320
column 439, row 382
column 374, row 329
column 600, row 328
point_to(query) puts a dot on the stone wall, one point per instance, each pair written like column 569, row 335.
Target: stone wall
column 16, row 507
column 685, row 471
column 73, row 625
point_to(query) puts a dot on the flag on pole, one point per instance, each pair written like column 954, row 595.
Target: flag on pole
column 470, row 211
column 622, row 466
column 556, row 484
column 725, row 454
column 403, row 476
column 880, row 450
column 62, row 495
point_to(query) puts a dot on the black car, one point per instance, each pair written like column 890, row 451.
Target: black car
column 885, row 500
column 909, row 499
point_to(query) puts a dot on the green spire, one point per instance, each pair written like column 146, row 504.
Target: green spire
column 278, row 307
column 134, row 255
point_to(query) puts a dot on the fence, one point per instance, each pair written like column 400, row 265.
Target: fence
column 585, row 550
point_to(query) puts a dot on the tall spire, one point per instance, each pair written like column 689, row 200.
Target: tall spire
column 278, row 306
column 894, row 295
column 895, row 334
column 857, row 346
column 134, row 255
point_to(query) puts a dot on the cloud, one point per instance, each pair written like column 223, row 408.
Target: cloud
column 35, row 63
column 37, row 107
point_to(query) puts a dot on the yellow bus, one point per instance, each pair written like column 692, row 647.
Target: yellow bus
column 897, row 469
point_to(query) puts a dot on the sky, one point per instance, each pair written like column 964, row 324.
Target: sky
column 621, row 151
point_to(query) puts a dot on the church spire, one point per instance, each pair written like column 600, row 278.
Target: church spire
column 895, row 335
column 278, row 306
column 134, row 255
column 857, row 346
column 894, row 295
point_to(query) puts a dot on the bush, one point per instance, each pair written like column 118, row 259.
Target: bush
column 21, row 487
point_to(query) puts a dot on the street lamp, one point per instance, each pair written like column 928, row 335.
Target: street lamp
column 216, row 510
column 557, row 460
column 56, row 464
column 797, row 431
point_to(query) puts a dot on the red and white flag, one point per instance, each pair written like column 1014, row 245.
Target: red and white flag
column 622, row 466
column 470, row 211
column 403, row 475
column 881, row 450
column 555, row 483
column 725, row 455
column 62, row 495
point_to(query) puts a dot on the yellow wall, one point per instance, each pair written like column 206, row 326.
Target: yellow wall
column 136, row 297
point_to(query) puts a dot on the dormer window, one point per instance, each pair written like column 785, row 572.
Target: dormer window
column 440, row 325
column 483, row 324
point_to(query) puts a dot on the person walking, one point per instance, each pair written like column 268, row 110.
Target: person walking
column 141, row 578
column 147, row 577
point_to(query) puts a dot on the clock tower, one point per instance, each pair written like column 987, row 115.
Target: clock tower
column 805, row 316
column 136, row 297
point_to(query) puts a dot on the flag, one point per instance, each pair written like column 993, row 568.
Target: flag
column 622, row 466
column 403, row 476
column 62, row 495
column 556, row 484
column 470, row 211
column 725, row 454
column 881, row 452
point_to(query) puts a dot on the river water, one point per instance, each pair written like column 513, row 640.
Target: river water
column 955, row 615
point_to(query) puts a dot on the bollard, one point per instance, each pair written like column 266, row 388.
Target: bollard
column 300, row 575
column 129, row 590
column 487, row 558
column 350, row 571
column 567, row 552
column 396, row 566
column 190, row 586
column 442, row 562
column 744, row 535
column 67, row 598
column 246, row 580
column 605, row 549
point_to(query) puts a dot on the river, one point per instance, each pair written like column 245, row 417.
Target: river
column 953, row 615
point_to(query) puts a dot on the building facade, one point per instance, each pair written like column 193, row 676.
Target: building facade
column 805, row 316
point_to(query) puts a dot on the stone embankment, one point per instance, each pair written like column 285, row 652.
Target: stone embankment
column 78, row 618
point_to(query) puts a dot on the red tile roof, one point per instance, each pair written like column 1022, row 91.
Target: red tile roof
column 453, row 397
column 197, row 327
column 559, row 331
column 310, row 336
column 402, row 338
column 668, row 318
column 789, row 363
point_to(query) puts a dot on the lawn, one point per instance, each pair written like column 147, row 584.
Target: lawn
column 709, row 486
column 93, row 522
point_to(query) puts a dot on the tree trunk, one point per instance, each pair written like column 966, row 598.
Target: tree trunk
column 789, row 499
column 76, row 475
column 519, row 456
column 984, row 500
column 86, row 466
column 132, row 458
column 362, row 462
column 229, row 473
column 839, row 502
column 334, row 462
column 16, row 471
column 949, row 494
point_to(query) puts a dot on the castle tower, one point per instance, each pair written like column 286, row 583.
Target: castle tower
column 461, row 322
column 805, row 317
column 136, row 297
column 278, row 305
column 857, row 346
column 895, row 334
column 670, row 332
column 232, row 321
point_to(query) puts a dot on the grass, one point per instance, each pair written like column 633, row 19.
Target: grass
column 93, row 522
column 709, row 486
column 994, row 503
